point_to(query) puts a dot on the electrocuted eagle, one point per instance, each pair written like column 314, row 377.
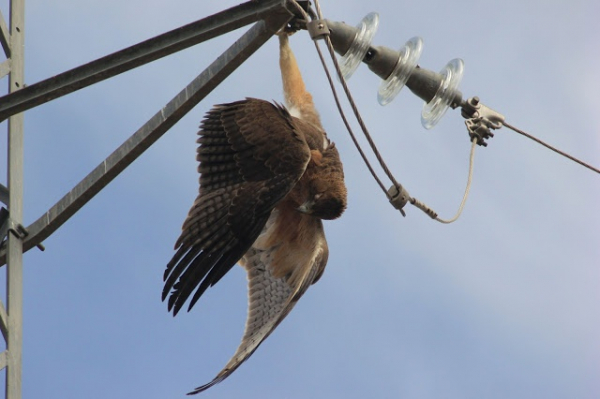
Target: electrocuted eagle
column 268, row 176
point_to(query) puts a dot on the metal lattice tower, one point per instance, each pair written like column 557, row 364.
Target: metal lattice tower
column 11, row 316
column 268, row 17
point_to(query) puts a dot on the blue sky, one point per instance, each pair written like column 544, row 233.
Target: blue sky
column 501, row 304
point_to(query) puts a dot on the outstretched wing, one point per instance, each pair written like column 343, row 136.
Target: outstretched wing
column 271, row 298
column 251, row 155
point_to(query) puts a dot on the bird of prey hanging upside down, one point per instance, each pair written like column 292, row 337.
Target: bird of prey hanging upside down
column 268, row 176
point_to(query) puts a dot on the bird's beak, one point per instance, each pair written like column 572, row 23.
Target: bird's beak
column 306, row 207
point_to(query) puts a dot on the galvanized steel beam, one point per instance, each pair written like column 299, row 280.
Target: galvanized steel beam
column 14, row 242
column 4, row 37
column 139, row 54
column 182, row 103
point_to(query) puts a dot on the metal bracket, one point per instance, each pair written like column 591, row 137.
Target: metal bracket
column 300, row 9
column 479, row 129
column 317, row 29
column 480, row 119
column 17, row 229
column 7, row 225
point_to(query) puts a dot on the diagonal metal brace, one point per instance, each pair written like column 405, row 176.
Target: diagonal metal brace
column 152, row 130
column 4, row 37
column 139, row 54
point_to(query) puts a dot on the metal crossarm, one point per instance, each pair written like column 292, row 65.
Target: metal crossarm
column 140, row 54
column 156, row 126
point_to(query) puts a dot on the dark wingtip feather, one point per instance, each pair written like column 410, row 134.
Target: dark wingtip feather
column 206, row 386
column 172, row 304
column 173, row 262
column 205, row 284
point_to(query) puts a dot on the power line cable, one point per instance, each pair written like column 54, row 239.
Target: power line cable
column 564, row 154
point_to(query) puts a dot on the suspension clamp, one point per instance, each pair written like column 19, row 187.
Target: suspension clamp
column 480, row 119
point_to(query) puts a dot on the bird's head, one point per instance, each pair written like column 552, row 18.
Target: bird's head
column 327, row 194
column 326, row 205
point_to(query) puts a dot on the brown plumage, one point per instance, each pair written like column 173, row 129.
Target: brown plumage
column 267, row 179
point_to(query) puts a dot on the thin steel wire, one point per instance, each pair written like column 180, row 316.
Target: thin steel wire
column 345, row 120
column 564, row 154
column 355, row 108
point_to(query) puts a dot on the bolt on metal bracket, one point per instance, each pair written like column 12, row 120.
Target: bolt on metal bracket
column 8, row 226
column 317, row 29
column 480, row 119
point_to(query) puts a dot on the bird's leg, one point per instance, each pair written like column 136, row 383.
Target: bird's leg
column 297, row 99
